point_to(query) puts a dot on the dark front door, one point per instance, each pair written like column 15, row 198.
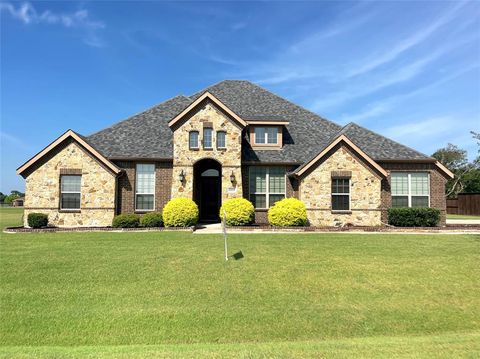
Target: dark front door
column 207, row 192
column 210, row 198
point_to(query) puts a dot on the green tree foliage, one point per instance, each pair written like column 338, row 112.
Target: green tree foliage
column 13, row 195
column 467, row 174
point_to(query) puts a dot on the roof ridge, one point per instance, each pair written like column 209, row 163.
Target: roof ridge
column 389, row 139
column 292, row 103
column 138, row 113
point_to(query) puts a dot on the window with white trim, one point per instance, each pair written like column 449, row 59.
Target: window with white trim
column 70, row 191
column 266, row 135
column 145, row 187
column 340, row 194
column 207, row 137
column 193, row 139
column 410, row 189
column 267, row 185
column 221, row 139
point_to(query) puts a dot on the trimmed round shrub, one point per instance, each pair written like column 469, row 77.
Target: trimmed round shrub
column 413, row 217
column 239, row 211
column 288, row 212
column 180, row 212
column 127, row 220
column 151, row 219
column 37, row 220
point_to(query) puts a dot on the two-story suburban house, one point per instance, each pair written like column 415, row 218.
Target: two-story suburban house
column 233, row 139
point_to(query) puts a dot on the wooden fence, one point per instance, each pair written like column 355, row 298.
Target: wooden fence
column 465, row 203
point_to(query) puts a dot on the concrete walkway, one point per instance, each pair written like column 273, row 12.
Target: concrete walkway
column 209, row 228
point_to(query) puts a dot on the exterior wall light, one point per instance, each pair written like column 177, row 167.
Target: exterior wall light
column 232, row 178
column 181, row 177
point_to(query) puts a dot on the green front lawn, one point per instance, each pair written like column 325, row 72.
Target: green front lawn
column 10, row 217
column 461, row 216
column 171, row 294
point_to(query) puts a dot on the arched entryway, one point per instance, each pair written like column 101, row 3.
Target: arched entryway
column 207, row 188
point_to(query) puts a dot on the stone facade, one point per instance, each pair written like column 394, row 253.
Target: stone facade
column 184, row 158
column 365, row 191
column 42, row 189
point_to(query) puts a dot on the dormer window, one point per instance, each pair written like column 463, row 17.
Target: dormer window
column 193, row 140
column 266, row 135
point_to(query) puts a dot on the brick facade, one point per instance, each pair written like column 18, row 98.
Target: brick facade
column 437, row 186
column 291, row 191
column 126, row 185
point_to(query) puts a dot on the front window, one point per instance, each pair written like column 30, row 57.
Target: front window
column 340, row 194
column 410, row 189
column 267, row 186
column 207, row 137
column 145, row 187
column 70, row 186
column 221, row 137
column 266, row 135
column 193, row 139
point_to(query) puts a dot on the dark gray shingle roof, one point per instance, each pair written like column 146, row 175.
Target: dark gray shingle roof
column 147, row 135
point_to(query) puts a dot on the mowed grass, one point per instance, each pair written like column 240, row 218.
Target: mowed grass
column 171, row 294
column 10, row 216
column 461, row 216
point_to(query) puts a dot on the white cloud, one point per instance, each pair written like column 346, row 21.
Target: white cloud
column 80, row 19
column 418, row 37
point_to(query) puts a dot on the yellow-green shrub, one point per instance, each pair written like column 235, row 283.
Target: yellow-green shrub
column 180, row 212
column 288, row 212
column 239, row 211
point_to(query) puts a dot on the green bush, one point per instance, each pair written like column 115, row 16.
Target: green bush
column 414, row 217
column 180, row 212
column 288, row 212
column 37, row 220
column 151, row 219
column 127, row 220
column 239, row 211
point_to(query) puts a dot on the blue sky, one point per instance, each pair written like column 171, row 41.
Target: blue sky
column 409, row 70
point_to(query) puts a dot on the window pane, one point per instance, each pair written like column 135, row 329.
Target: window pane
column 70, row 201
column 400, row 201
column 259, row 200
column 419, row 201
column 145, row 179
column 258, row 179
column 340, row 202
column 272, row 134
column 419, row 183
column 144, row 201
column 221, row 139
column 340, row 185
column 399, row 184
column 275, row 198
column 71, row 183
column 276, row 180
column 207, row 137
column 193, row 139
column 259, row 134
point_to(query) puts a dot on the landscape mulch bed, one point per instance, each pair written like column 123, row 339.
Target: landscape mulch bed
column 266, row 227
column 252, row 228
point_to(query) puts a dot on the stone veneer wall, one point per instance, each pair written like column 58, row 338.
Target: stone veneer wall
column 437, row 186
column 184, row 158
column 42, row 189
column 126, row 185
column 365, row 191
